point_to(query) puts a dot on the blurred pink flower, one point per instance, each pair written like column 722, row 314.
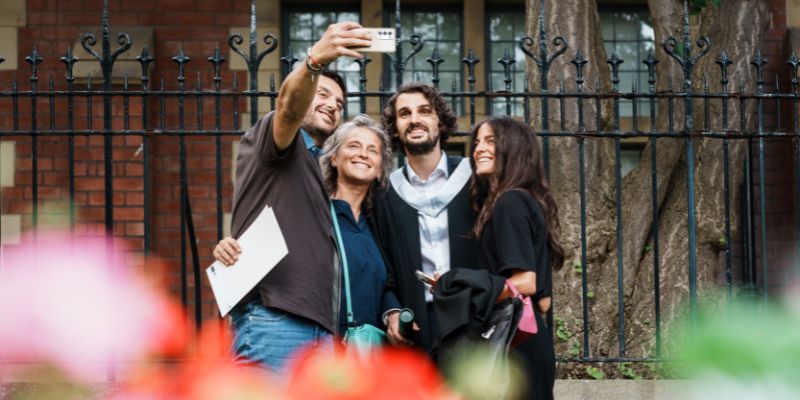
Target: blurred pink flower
column 65, row 303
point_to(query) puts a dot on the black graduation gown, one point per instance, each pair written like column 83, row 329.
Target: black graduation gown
column 397, row 229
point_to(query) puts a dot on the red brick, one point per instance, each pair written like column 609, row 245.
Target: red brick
column 134, row 228
column 128, row 214
column 175, row 5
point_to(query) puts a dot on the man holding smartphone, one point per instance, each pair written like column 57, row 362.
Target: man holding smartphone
column 296, row 305
column 423, row 220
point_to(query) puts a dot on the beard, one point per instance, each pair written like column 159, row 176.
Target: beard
column 419, row 148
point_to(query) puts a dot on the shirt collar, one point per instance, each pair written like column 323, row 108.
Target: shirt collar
column 311, row 146
column 441, row 169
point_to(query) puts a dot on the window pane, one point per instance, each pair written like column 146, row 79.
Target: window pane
column 630, row 34
column 505, row 35
column 439, row 30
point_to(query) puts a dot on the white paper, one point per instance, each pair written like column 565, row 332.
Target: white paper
column 262, row 247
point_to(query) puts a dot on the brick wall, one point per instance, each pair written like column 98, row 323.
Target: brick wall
column 196, row 26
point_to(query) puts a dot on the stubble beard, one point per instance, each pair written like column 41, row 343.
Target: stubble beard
column 420, row 148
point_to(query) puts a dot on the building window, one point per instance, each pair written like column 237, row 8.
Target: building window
column 440, row 30
column 629, row 33
column 505, row 28
column 304, row 26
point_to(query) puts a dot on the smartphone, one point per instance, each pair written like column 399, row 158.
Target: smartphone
column 425, row 278
column 383, row 41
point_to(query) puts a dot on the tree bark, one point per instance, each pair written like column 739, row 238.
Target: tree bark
column 578, row 22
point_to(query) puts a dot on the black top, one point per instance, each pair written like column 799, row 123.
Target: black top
column 365, row 266
column 515, row 237
column 397, row 230
column 305, row 282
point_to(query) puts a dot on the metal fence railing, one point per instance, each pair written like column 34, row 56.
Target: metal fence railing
column 40, row 111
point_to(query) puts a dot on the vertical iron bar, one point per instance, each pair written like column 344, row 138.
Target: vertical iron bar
column 471, row 60
column 145, row 59
column 180, row 60
column 217, row 61
column 236, row 124
column 69, row 60
column 749, row 288
column 34, row 60
column 759, row 62
column 398, row 67
column 126, row 123
column 651, row 62
column 794, row 63
column 579, row 62
column 615, row 62
column 724, row 62
column 253, row 71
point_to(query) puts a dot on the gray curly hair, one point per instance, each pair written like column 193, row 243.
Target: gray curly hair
column 332, row 144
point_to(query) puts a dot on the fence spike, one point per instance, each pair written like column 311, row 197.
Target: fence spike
column 34, row 60
column 69, row 61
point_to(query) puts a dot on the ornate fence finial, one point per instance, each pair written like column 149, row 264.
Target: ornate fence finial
column 683, row 53
column 69, row 61
column 651, row 62
column 759, row 62
column 181, row 60
column 793, row 64
column 614, row 62
column 579, row 61
column 434, row 60
column 217, row 60
column 723, row 61
column 470, row 60
column 507, row 61
column 542, row 61
column 34, row 60
column 144, row 60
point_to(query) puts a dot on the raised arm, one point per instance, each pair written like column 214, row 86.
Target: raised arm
column 298, row 89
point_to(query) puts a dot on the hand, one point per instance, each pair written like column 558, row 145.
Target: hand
column 337, row 40
column 227, row 251
column 393, row 331
column 436, row 276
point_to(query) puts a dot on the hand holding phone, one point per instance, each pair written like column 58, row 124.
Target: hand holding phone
column 383, row 41
column 425, row 278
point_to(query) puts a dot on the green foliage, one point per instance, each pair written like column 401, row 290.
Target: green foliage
column 575, row 348
column 648, row 248
column 590, row 294
column 562, row 332
column 595, row 373
column 578, row 266
column 696, row 6
column 723, row 241
column 627, row 372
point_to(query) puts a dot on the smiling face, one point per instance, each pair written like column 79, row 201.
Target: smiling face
column 417, row 123
column 325, row 113
column 483, row 151
column 359, row 158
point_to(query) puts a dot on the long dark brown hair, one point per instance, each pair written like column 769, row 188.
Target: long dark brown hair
column 517, row 165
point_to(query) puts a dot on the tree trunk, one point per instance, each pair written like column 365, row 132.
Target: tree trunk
column 577, row 21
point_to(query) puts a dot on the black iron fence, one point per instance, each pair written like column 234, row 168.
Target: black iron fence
column 193, row 101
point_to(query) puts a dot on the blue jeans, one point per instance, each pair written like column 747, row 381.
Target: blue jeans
column 272, row 339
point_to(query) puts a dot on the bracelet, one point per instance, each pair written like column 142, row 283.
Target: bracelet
column 312, row 64
column 313, row 60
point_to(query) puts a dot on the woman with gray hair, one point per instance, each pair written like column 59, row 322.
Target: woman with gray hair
column 355, row 162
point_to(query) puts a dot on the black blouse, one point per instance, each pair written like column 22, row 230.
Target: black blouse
column 515, row 237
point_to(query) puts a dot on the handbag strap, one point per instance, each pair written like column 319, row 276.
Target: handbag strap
column 345, row 271
column 515, row 291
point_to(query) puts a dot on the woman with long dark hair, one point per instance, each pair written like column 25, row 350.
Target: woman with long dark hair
column 518, row 231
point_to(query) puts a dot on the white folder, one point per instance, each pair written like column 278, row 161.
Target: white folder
column 262, row 247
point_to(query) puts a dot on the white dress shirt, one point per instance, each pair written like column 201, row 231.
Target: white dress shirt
column 434, row 235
